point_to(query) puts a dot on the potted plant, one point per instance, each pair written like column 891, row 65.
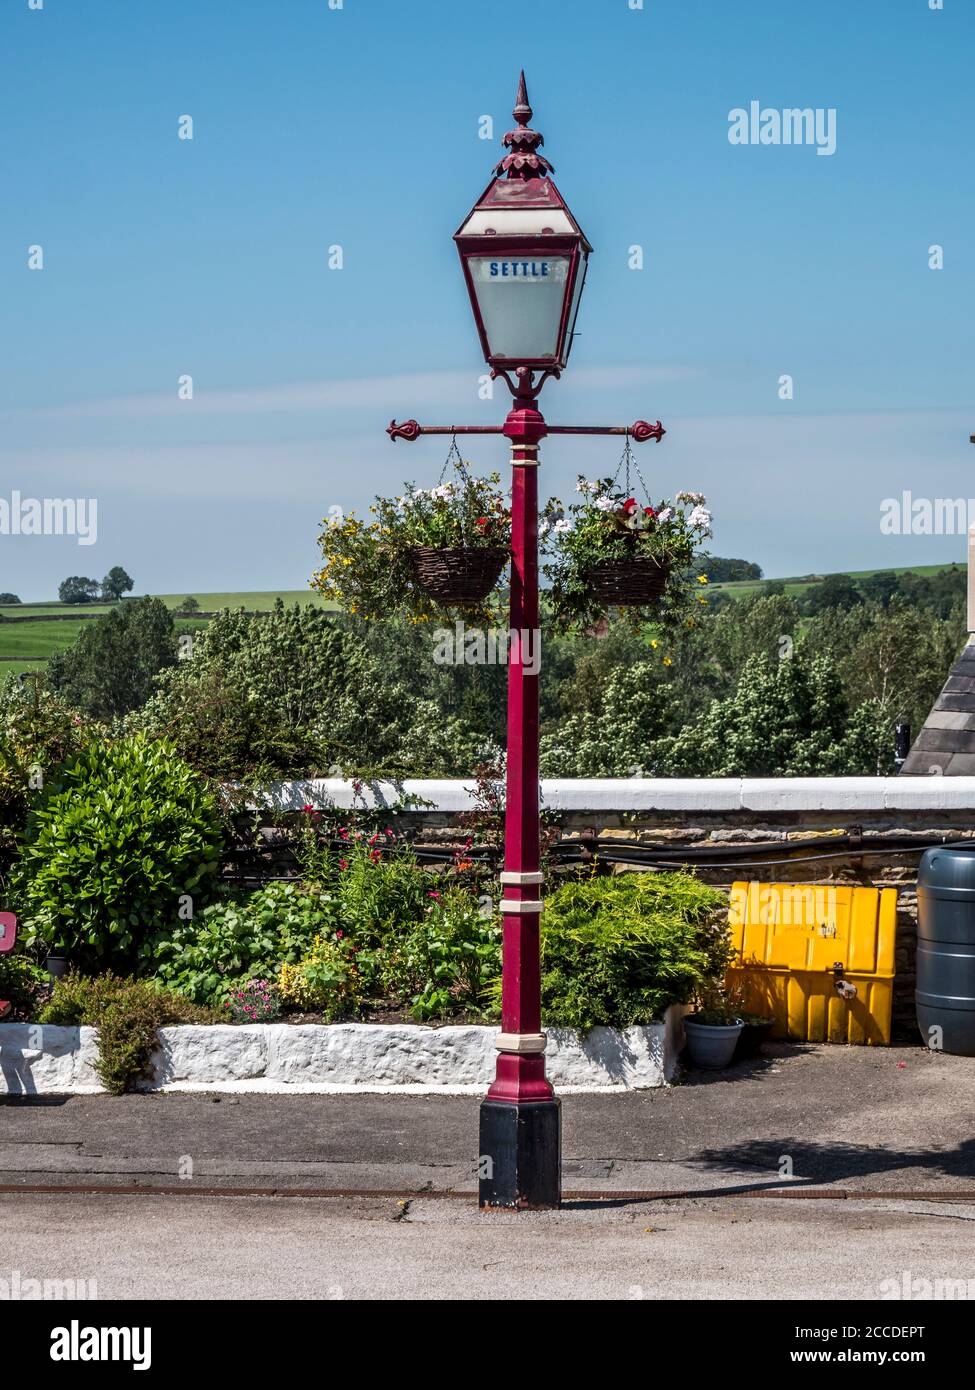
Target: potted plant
column 612, row 551
column 425, row 550
column 713, row 1030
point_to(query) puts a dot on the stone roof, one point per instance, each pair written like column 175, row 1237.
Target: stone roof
column 946, row 743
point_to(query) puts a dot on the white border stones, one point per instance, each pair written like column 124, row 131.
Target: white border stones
column 718, row 795
column 340, row 1057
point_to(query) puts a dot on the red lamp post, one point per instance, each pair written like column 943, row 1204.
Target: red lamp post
column 524, row 259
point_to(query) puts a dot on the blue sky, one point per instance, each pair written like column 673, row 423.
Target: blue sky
column 359, row 126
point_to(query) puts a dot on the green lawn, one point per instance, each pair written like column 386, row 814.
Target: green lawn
column 798, row 584
column 33, row 643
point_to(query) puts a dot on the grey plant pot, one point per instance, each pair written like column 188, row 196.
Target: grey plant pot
column 712, row 1044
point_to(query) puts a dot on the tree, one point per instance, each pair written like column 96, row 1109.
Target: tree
column 116, row 583
column 190, row 604
column 725, row 571
column 835, row 591
column 637, row 707
column 77, row 589
column 8, row 599
column 784, row 719
column 112, row 667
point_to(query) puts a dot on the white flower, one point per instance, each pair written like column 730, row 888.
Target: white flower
column 697, row 498
column 700, row 516
column 605, row 504
column 562, row 526
column 584, row 487
column 666, row 514
column 542, row 528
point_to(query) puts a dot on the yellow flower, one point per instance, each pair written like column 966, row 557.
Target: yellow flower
column 702, row 579
column 654, row 642
column 667, row 661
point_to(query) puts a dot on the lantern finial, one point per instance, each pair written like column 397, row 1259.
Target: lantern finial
column 523, row 111
column 523, row 161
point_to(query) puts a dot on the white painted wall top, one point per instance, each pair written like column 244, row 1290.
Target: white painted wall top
column 716, row 795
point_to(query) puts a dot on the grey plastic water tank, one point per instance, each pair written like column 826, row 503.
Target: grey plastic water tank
column 946, row 948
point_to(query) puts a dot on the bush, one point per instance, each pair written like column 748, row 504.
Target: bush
column 240, row 937
column 21, row 984
column 113, row 665
column 125, row 833
column 445, row 961
column 256, row 1001
column 127, row 1014
column 38, row 732
column 328, row 979
column 617, row 951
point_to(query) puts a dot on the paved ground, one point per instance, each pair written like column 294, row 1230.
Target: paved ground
column 160, row 1247
column 886, row 1135
column 891, row 1120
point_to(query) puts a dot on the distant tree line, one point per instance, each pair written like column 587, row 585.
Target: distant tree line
column 77, row 589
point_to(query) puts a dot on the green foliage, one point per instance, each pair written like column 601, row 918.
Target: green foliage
column 112, row 667
column 8, row 600
column 116, row 583
column 124, row 832
column 784, row 719
column 190, row 604
column 725, row 571
column 127, row 1014
column 239, row 937
column 38, row 732
column 328, row 979
column 21, row 984
column 77, row 589
column 637, row 706
column 367, row 567
column 446, row 960
column 609, row 526
column 617, row 951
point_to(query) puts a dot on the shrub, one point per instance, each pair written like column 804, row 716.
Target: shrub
column 381, row 894
column 127, row 1014
column 256, row 1001
column 38, row 732
column 125, row 833
column 240, row 937
column 112, row 667
column 21, row 984
column 328, row 979
column 445, row 961
column 617, row 951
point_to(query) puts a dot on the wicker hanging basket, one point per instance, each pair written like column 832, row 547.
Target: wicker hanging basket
column 635, row 583
column 460, row 575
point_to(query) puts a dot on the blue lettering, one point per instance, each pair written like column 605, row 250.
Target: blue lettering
column 494, row 267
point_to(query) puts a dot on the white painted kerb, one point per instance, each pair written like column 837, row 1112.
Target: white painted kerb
column 635, row 794
column 340, row 1057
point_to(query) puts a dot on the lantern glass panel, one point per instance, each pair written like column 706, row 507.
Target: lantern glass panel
column 521, row 299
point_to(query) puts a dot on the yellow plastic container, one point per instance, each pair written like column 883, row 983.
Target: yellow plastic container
column 819, row 959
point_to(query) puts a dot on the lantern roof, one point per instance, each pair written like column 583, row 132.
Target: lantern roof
column 522, row 184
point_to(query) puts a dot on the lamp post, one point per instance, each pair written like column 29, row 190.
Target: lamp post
column 524, row 260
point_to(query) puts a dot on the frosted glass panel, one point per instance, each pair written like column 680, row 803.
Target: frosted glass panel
column 521, row 303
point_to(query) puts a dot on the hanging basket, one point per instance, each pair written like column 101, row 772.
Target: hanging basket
column 635, row 583
column 460, row 575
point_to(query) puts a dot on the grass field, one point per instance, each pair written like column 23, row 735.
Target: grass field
column 32, row 643
column 798, row 584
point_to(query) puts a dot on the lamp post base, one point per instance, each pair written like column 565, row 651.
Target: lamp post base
column 520, row 1163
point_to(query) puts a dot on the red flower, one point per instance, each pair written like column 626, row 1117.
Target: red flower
column 629, row 506
column 649, row 511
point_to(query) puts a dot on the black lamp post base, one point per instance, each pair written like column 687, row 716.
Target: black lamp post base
column 520, row 1162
